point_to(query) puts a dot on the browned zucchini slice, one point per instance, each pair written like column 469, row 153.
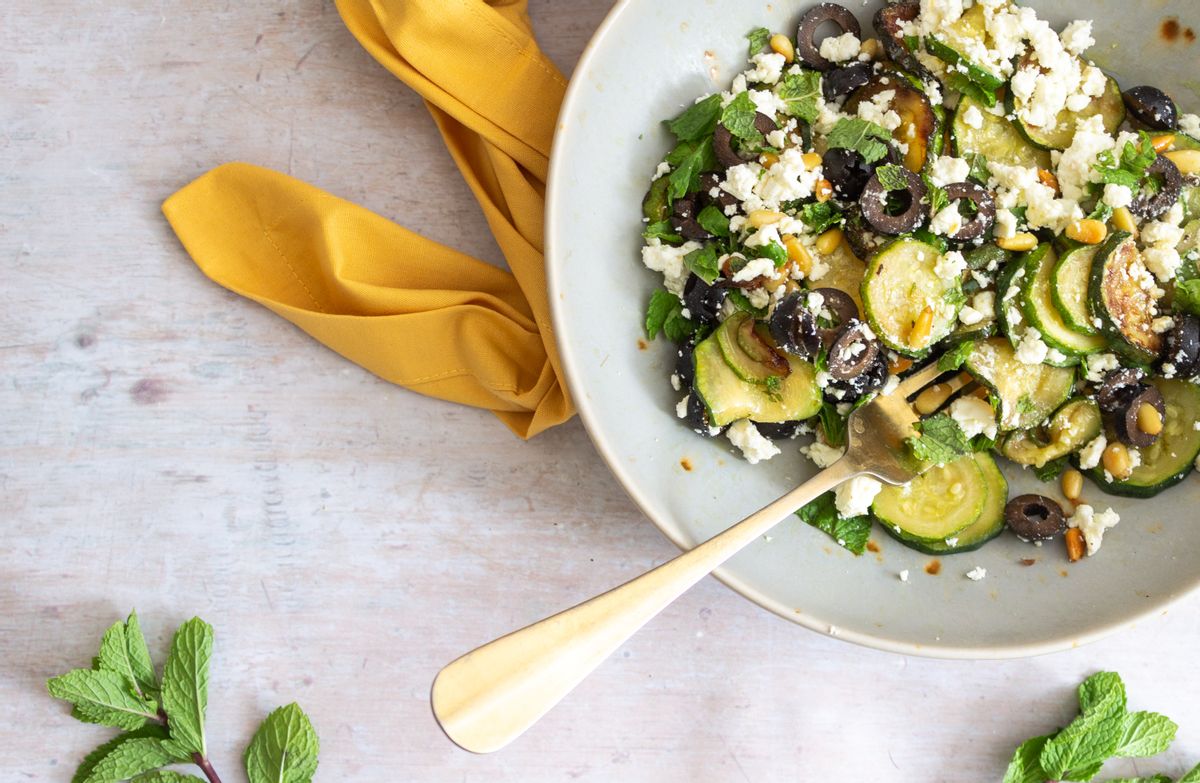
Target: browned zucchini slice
column 1122, row 299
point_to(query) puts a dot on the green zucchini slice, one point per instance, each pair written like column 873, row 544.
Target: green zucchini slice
column 1037, row 302
column 656, row 206
column 1024, row 394
column 988, row 525
column 900, row 284
column 1119, row 298
column 1069, row 289
column 952, row 43
column 921, row 122
column 935, row 505
column 1072, row 427
column 997, row 139
column 728, row 398
column 1059, row 136
column 1173, row 455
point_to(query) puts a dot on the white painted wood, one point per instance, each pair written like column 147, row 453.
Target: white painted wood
column 166, row 445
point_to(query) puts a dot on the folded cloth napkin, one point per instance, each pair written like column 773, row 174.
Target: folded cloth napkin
column 412, row 311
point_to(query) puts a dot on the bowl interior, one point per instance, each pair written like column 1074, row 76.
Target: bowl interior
column 648, row 61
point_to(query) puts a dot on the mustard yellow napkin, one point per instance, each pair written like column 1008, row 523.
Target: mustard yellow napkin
column 412, row 311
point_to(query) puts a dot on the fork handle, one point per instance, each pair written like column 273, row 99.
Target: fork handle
column 490, row 696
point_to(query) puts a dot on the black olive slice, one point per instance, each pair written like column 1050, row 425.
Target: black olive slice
column 874, row 203
column 1118, row 387
column 685, row 364
column 683, row 220
column 871, row 379
column 794, row 327
column 846, row 79
column 853, row 352
column 697, row 416
column 1126, row 423
column 985, row 210
column 841, row 307
column 847, row 171
column 863, row 240
column 807, row 47
column 723, row 146
column 703, row 301
column 889, row 25
column 1182, row 347
column 1152, row 107
column 1035, row 517
column 709, row 182
column 1152, row 205
column 781, row 431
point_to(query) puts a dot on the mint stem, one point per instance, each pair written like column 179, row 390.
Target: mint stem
column 207, row 768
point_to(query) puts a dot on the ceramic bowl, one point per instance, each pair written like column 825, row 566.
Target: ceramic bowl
column 648, row 60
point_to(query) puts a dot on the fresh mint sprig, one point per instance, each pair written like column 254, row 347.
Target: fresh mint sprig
column 163, row 720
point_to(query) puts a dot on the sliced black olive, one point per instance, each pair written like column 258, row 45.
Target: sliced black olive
column 709, row 182
column 872, row 379
column 847, row 171
column 807, row 46
column 697, row 416
column 889, row 24
column 1152, row 107
column 1035, row 517
column 863, row 240
column 852, row 352
column 985, row 210
column 685, row 364
column 1152, row 205
column 1126, row 420
column 781, row 431
column 841, row 308
column 794, row 327
column 1118, row 388
column 1182, row 347
column 846, row 79
column 723, row 145
column 703, row 301
column 683, row 220
column 876, row 197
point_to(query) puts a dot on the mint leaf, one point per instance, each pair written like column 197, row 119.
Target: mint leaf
column 123, row 650
column 714, row 221
column 851, row 534
column 980, row 172
column 865, row 138
column 103, row 697
column 662, row 231
column 662, row 304
column 759, row 37
column 962, row 82
column 1130, row 170
column 941, row 440
column 891, row 177
column 738, row 118
column 801, row 93
column 703, row 263
column 819, row 216
column 167, row 776
column 698, row 120
column 833, row 425
column 1145, row 734
column 131, row 757
column 1025, row 767
column 690, row 159
column 772, row 250
column 185, row 684
column 1187, row 296
column 1079, row 750
column 1155, row 779
column 1052, row 469
column 1104, row 691
column 677, row 328
column 284, row 749
column 150, row 730
column 954, row 358
column 1191, row 777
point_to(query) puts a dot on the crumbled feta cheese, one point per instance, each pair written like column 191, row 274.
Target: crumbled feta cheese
column 1031, row 350
column 974, row 416
column 1162, row 233
column 1162, row 325
column 768, row 68
column 977, row 573
column 947, row 170
column 853, row 498
column 676, row 381
column 951, row 265
column 1077, row 166
column 1006, row 224
column 1118, row 196
column 758, row 267
column 973, row 117
column 1163, row 261
column 663, row 170
column 904, row 575
column 1089, row 455
column 759, row 297
column 879, row 110
column 822, row 454
column 890, row 386
column 1093, row 525
column 1099, row 364
column 754, row 447
column 669, row 260
column 1077, row 36
column 681, row 408
column 841, row 48
column 948, row 222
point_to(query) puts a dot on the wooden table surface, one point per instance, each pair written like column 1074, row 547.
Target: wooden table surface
column 167, row 445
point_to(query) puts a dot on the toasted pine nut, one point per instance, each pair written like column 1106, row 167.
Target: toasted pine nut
column 872, row 48
column 798, row 254
column 830, row 241
column 764, row 217
column 1149, row 420
column 1074, row 539
column 811, row 160
column 1072, row 484
column 1089, row 232
column 901, row 364
column 824, row 190
column 1163, row 143
column 1123, row 219
column 1187, row 161
column 781, row 44
column 768, row 159
column 1116, row 460
column 932, row 398
column 922, row 327
column 1020, row 243
column 1048, row 179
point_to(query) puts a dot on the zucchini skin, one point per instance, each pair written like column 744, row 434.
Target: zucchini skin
column 1124, row 490
column 1109, row 328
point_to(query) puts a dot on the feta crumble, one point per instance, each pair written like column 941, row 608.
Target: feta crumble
column 977, row 574
column 1093, row 525
column 853, row 498
column 754, row 447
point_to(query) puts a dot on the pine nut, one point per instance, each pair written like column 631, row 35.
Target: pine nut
column 922, row 327
column 798, row 254
column 1187, row 161
column 1048, row 179
column 1117, row 462
column 781, row 44
column 764, row 217
column 1074, row 539
column 1089, row 232
column 1020, row 243
column 1123, row 219
column 932, row 398
column 872, row 48
column 1072, row 484
column 811, row 160
column 1149, row 420
column 830, row 241
column 1163, row 143
column 824, row 190
column 768, row 159
column 901, row 364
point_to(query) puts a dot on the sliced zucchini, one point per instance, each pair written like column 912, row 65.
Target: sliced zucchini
column 987, row 526
column 935, row 505
column 1059, row 136
column 1037, row 302
column 1072, row 427
column 1119, row 298
column 656, row 206
column 750, row 359
column 1069, row 289
column 1173, row 455
column 952, row 43
column 997, row 140
column 845, row 273
column 1025, row 394
column 1009, row 284
column 900, row 284
column 728, row 398
column 1189, row 197
column 1185, row 142
column 980, row 331
column 920, row 126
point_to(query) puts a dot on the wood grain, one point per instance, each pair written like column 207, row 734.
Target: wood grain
column 167, row 445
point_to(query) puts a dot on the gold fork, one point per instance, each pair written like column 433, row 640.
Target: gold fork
column 490, row 696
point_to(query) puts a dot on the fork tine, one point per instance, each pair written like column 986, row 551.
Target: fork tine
column 919, row 380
